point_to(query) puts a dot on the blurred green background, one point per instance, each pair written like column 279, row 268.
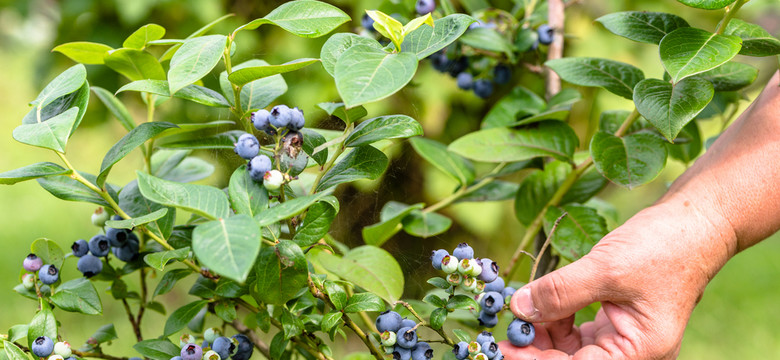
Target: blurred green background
column 736, row 318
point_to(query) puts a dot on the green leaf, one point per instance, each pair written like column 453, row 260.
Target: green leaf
column 193, row 127
column 194, row 59
column 128, row 143
column 438, row 317
column 436, row 154
column 278, row 346
column 427, row 40
column 707, row 4
column 105, row 334
column 115, row 107
column 51, row 134
column 611, row 120
column 78, row 295
column 69, row 189
column 364, row 74
column 690, row 149
column 135, row 64
column 336, row 293
column 364, row 302
column 340, row 111
column 577, row 232
column 364, row 162
column 13, row 352
column 586, row 186
column 203, row 200
column 312, row 140
column 225, row 140
column 383, row 128
column 669, row 107
column 225, row 310
column 137, row 206
column 426, row 224
column 34, row 171
column 617, row 77
column 689, row 51
column 281, row 272
column 194, row 93
column 42, row 324
column 755, row 40
column 84, row 52
column 629, row 161
column 316, row 224
column 731, row 76
column 157, row 349
column 507, row 110
column 246, row 195
column 387, row 26
column 495, row 191
column 305, row 18
column 642, row 26
column 389, row 222
column 547, row 138
column 555, row 114
column 169, row 53
column 141, row 37
column 256, row 94
column 287, row 209
column 434, row 299
column 538, row 188
column 179, row 318
column 138, row 221
column 17, row 332
column 488, row 39
column 228, row 246
column 159, row 259
column 66, row 83
column 169, row 279
column 440, row 283
column 339, row 43
column 48, row 251
column 246, row 75
column 369, row 267
column 331, row 320
column 463, row 302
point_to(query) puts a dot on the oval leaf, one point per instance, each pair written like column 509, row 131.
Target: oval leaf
column 731, row 76
column 669, row 107
column 84, row 52
column 369, row 267
column 281, row 272
column 34, row 171
column 437, row 155
column 143, row 36
column 159, row 259
column 364, row 162
column 577, row 232
column 287, row 209
column 51, row 134
column 547, row 138
column 306, row 18
column 537, row 189
column 138, row 221
column 338, row 44
column 689, row 51
column 707, row 4
column 246, row 75
column 246, row 195
column 203, row 200
column 256, row 94
column 194, row 59
column 316, row 224
column 135, row 64
column 427, row 40
column 383, row 128
column 755, row 40
column 617, row 77
column 157, row 349
column 364, row 302
column 228, row 246
column 629, row 161
column 42, row 324
column 389, row 222
column 364, row 74
column 78, row 295
column 642, row 26
column 128, row 143
column 66, row 83
column 426, row 224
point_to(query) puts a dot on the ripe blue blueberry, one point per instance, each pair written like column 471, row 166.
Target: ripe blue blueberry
column 261, row 123
column 176, row 358
column 436, row 257
column 258, row 166
column 400, row 353
column 485, row 336
column 483, row 88
column 492, row 302
column 461, row 350
column 508, row 292
column 422, row 351
column 128, row 252
column 297, row 121
column 223, row 346
column 496, row 285
column 80, row 248
column 367, row 22
column 408, row 323
column 117, row 237
column 465, row 80
column 191, row 352
column 520, row 333
column 247, row 146
column 407, row 337
column 499, row 355
column 244, row 349
column 545, row 34
column 42, row 346
column 463, row 251
column 48, row 274
column 487, row 320
column 32, row 263
column 489, row 270
column 388, row 321
column 89, row 265
column 441, row 62
column 425, row 6
column 280, row 116
column 490, row 349
column 458, row 66
column 99, row 245
column 501, row 74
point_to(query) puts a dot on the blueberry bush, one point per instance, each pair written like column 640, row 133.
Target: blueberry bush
column 266, row 264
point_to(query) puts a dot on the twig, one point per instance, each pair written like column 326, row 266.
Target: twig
column 555, row 18
column 422, row 321
column 546, row 244
column 136, row 329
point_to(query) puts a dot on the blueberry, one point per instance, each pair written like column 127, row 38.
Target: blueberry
column 487, row 320
column 48, row 274
column 128, row 252
column 258, row 166
column 483, row 88
column 489, row 270
column 191, row 352
column 260, row 121
column 474, row 348
column 502, row 74
column 89, row 265
column 117, row 237
column 367, row 22
column 545, row 34
column 499, row 355
column 425, row 6
column 496, row 285
column 458, row 66
column 247, row 146
column 388, row 321
column 388, row 338
column 99, row 245
column 492, row 302
column 280, row 116
column 176, row 358
column 463, row 251
column 461, row 350
column 449, row 264
column 465, row 80
column 520, row 333
column 422, row 351
column 42, row 346
column 454, row 279
column 485, row 336
column 508, row 292
column 80, row 248
column 99, row 217
column 466, row 265
column 211, row 334
column 223, row 346
column 481, row 356
column 400, row 353
column 468, row 283
column 436, row 257
column 210, row 355
column 244, row 349
column 63, row 349
column 407, row 337
column 28, row 281
column 32, row 263
column 441, row 62
column 408, row 323
column 490, row 349
column 297, row 121
column 273, row 180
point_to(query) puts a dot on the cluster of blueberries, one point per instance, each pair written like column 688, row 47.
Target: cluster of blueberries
column 45, row 347
column 215, row 347
column 399, row 337
column 484, row 348
column 459, row 69
column 49, row 274
column 123, row 243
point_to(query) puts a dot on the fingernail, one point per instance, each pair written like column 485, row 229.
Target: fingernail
column 522, row 304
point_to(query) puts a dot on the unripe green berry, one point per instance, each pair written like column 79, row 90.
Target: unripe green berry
column 454, row 279
column 449, row 264
column 56, row 357
column 481, row 356
column 186, row 339
column 476, row 268
column 388, row 349
column 99, row 217
column 465, row 266
column 211, row 355
column 388, row 338
column 468, row 283
column 62, row 348
column 211, row 334
column 28, row 281
column 273, row 180
column 479, row 297
column 474, row 348
column 480, row 288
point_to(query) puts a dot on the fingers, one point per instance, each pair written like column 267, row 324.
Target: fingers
column 564, row 335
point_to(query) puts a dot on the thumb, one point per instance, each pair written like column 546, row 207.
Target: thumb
column 560, row 293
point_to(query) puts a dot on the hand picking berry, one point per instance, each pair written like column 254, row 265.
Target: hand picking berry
column 520, row 333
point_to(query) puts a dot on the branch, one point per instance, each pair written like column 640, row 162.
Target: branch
column 546, row 244
column 136, row 328
column 555, row 18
